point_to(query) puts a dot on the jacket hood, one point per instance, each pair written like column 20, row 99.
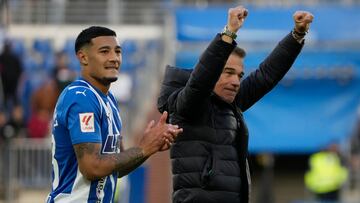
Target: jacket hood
column 174, row 79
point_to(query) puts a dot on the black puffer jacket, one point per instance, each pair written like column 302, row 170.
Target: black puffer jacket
column 209, row 158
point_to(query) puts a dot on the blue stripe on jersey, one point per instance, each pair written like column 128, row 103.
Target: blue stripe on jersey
column 83, row 114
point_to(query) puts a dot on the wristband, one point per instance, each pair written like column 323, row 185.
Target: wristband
column 228, row 33
column 298, row 35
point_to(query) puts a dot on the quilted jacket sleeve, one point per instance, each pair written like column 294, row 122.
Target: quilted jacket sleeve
column 203, row 79
column 269, row 73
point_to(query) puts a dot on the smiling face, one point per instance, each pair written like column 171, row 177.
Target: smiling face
column 100, row 61
column 229, row 82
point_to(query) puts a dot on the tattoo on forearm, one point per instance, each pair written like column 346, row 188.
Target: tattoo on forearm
column 84, row 148
column 125, row 162
column 128, row 160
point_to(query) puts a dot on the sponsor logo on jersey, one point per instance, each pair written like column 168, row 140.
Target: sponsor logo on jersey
column 87, row 122
column 79, row 92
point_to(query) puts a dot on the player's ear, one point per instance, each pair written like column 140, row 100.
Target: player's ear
column 82, row 57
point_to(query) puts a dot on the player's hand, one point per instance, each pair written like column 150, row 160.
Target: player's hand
column 302, row 20
column 156, row 135
column 236, row 18
column 166, row 145
column 174, row 130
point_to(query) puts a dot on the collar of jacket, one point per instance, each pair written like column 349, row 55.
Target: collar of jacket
column 219, row 100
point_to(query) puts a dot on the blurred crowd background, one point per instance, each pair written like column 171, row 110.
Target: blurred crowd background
column 315, row 108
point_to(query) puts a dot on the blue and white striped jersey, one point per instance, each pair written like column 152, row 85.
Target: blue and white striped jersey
column 83, row 114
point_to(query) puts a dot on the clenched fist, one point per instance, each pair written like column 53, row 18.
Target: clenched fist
column 236, row 17
column 302, row 21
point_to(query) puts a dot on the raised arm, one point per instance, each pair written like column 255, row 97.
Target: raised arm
column 94, row 165
column 276, row 65
column 210, row 66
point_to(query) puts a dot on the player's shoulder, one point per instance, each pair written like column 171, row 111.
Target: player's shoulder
column 78, row 92
column 77, row 97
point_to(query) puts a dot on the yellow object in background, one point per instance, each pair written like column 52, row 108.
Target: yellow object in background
column 326, row 173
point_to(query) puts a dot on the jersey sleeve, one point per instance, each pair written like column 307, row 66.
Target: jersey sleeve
column 83, row 119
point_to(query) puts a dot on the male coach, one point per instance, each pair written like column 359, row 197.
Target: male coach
column 209, row 159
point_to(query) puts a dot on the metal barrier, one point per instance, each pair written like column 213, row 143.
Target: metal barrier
column 85, row 12
column 122, row 11
column 31, row 162
column 26, row 164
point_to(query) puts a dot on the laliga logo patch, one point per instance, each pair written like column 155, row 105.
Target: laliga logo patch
column 87, row 122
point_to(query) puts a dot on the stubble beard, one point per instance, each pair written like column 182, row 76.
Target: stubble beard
column 106, row 81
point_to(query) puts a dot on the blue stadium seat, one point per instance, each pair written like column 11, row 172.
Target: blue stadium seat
column 153, row 44
column 126, row 65
column 74, row 63
column 69, row 49
column 32, row 80
column 18, row 46
column 29, row 63
column 48, row 63
column 129, row 47
column 129, row 55
column 69, row 46
column 43, row 46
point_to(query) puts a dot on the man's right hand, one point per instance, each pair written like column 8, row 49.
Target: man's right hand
column 236, row 18
column 158, row 135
